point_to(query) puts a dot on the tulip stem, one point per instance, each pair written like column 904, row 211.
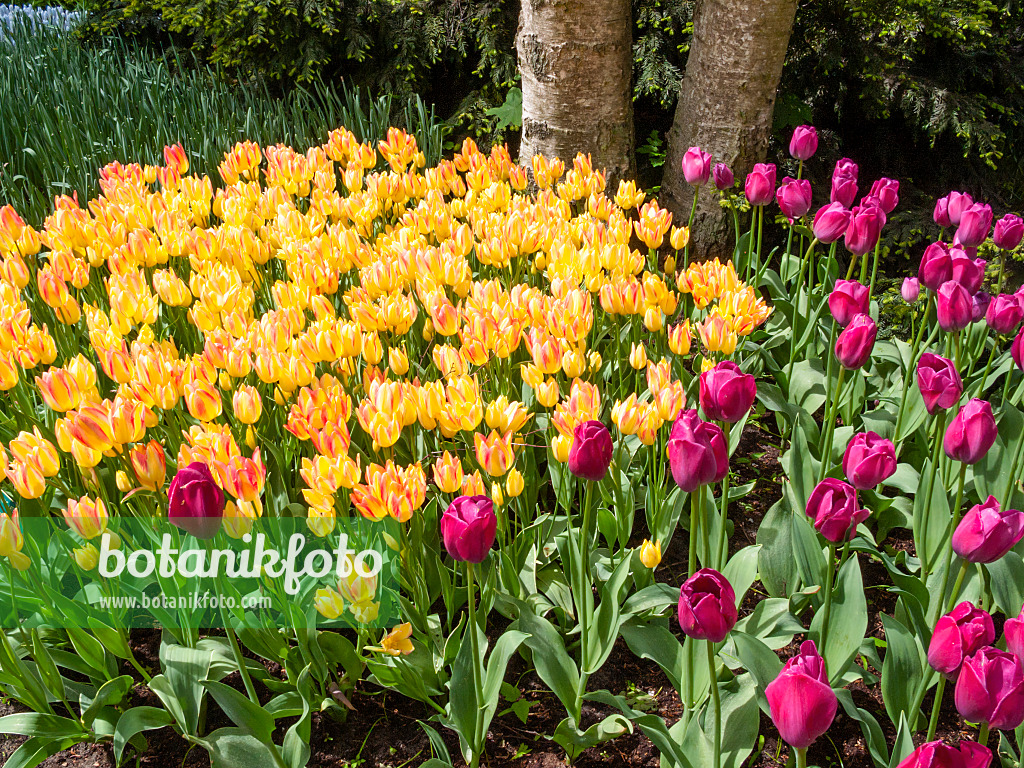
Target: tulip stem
column 988, row 367
column 716, row 704
column 695, row 499
column 722, row 549
column 476, row 742
column 933, row 723
column 826, row 610
column 983, row 734
column 910, row 368
column 801, row 757
column 689, row 226
column 961, row 574
column 830, row 427
column 874, row 269
column 239, row 659
column 796, row 309
column 949, row 551
column 923, row 553
column 1002, row 271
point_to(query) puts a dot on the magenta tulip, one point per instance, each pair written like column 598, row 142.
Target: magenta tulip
column 955, row 309
column 939, row 382
column 936, row 266
column 854, row 345
column 1013, row 630
column 1017, row 349
column 869, row 460
column 959, row 634
column 986, row 533
column 990, row 689
column 967, row 271
column 707, row 606
column 591, row 451
column 979, row 305
column 804, row 143
column 696, row 167
column 760, row 184
column 865, row 229
column 975, row 224
column 833, row 506
column 941, row 213
column 958, row 203
column 723, row 176
column 887, row 193
column 1009, row 232
column 794, row 198
column 848, row 299
column 195, row 501
column 726, row 392
column 971, row 433
column 911, row 290
column 936, row 754
column 831, row 222
column 1005, row 313
column 844, row 191
column 468, row 527
column 697, row 453
column 801, row 701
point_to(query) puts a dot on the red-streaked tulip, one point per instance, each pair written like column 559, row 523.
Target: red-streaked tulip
column 971, row 433
column 801, row 701
column 959, row 634
column 935, row 754
column 990, row 689
column 697, row 452
column 468, row 527
column 975, row 224
column 591, row 452
column 707, row 606
column 195, row 501
column 1009, row 232
column 726, row 392
column 936, row 266
column 869, row 460
column 939, row 382
column 759, row 186
column 848, row 299
column 833, row 507
column 865, row 229
column 831, row 222
column 955, row 309
column 854, row 345
column 1005, row 313
column 804, row 143
column 794, row 198
column 987, row 533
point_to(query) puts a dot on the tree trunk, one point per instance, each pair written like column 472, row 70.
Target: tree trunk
column 725, row 104
column 575, row 58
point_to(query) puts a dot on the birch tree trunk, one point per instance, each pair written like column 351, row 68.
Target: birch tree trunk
column 575, row 58
column 725, row 104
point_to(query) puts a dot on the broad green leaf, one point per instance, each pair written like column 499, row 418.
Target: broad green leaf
column 249, row 717
column 657, row 643
column 1006, row 579
column 37, row 749
column 135, row 721
column 904, row 743
column 234, row 748
column 901, row 669
column 811, row 564
column 36, row 724
column 554, row 666
column 775, row 558
column 741, row 571
column 849, row 620
column 110, row 694
column 759, row 660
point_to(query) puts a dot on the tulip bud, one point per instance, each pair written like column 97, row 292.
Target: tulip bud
column 679, row 338
column 1009, row 232
column 833, row 507
column 794, row 198
column 958, row 203
column 122, row 481
column 1017, row 349
column 936, row 754
column 328, row 603
column 87, row 557
column 448, row 473
column 971, row 433
column 560, row 447
column 936, row 266
column 939, row 382
column 990, row 689
column 957, row 635
column 911, row 290
column 697, row 452
column 696, row 167
column 591, row 451
column 638, row 356
column 844, row 183
column 1014, row 631
column 707, row 606
column 955, row 308
column 195, row 502
column 854, row 345
column 831, row 222
column 941, row 213
column 969, row 272
column 150, row 465
column 865, row 229
column 848, row 299
column 468, row 526
column 986, row 534
column 886, row 192
column 869, row 460
column 804, row 143
column 723, row 175
column 801, row 701
column 1004, row 313
column 726, row 393
column 247, row 404
column 759, row 186
column 975, row 224
column 650, row 554
column 514, row 483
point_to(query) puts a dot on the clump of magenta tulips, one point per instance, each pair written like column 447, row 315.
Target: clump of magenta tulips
column 527, row 393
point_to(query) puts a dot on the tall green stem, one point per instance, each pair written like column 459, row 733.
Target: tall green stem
column 910, row 370
column 716, row 704
column 722, row 549
column 949, row 551
column 476, row 738
column 801, row 757
column 933, row 722
column 830, row 427
column 826, row 611
column 695, row 515
column 925, row 517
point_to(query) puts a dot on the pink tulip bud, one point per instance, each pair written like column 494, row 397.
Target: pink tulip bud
column 939, row 382
column 975, row 224
column 911, row 290
column 794, row 198
column 959, row 634
column 971, row 433
column 958, row 203
column 833, row 507
column 697, row 453
column 591, row 451
column 831, row 222
column 707, row 606
column 967, row 271
column 1005, row 313
column 804, row 143
column 869, row 460
column 468, row 527
column 848, row 299
column 936, row 754
column 941, row 214
column 844, row 183
column 1017, row 349
column 854, row 345
column 865, row 229
column 1009, row 232
column 936, row 266
column 986, row 533
column 1013, row 629
column 887, row 193
column 723, row 176
column 990, row 689
column 195, row 502
column 726, row 393
column 979, row 305
column 955, row 309
column 801, row 701
column 696, row 167
column 760, row 184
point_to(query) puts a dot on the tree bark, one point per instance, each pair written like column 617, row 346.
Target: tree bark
column 725, row 104
column 575, row 58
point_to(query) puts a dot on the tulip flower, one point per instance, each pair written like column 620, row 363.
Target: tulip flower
column 865, row 229
column 86, row 516
column 468, row 526
column 1013, row 629
column 887, row 193
column 1009, row 232
column 759, row 186
column 967, row 271
column 854, row 345
column 986, row 534
column 936, row 266
column 833, row 507
column 848, row 299
column 831, row 222
column 726, row 393
column 1017, row 349
column 591, row 451
column 979, row 305
column 935, row 754
column 723, row 176
column 955, row 308
column 650, row 554
column 1005, row 313
column 959, row 634
column 150, row 465
column 697, row 452
column 911, row 290
column 941, row 213
column 707, row 606
column 801, row 701
column 869, row 460
column 990, row 689
column 804, row 143
column 195, row 501
column 975, row 224
column 971, row 433
column 794, row 198
column 939, row 382
column 958, row 203
column 696, row 167
column 844, row 183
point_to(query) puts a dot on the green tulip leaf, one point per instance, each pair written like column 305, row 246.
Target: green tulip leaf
column 901, row 670
column 135, row 721
column 849, row 620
